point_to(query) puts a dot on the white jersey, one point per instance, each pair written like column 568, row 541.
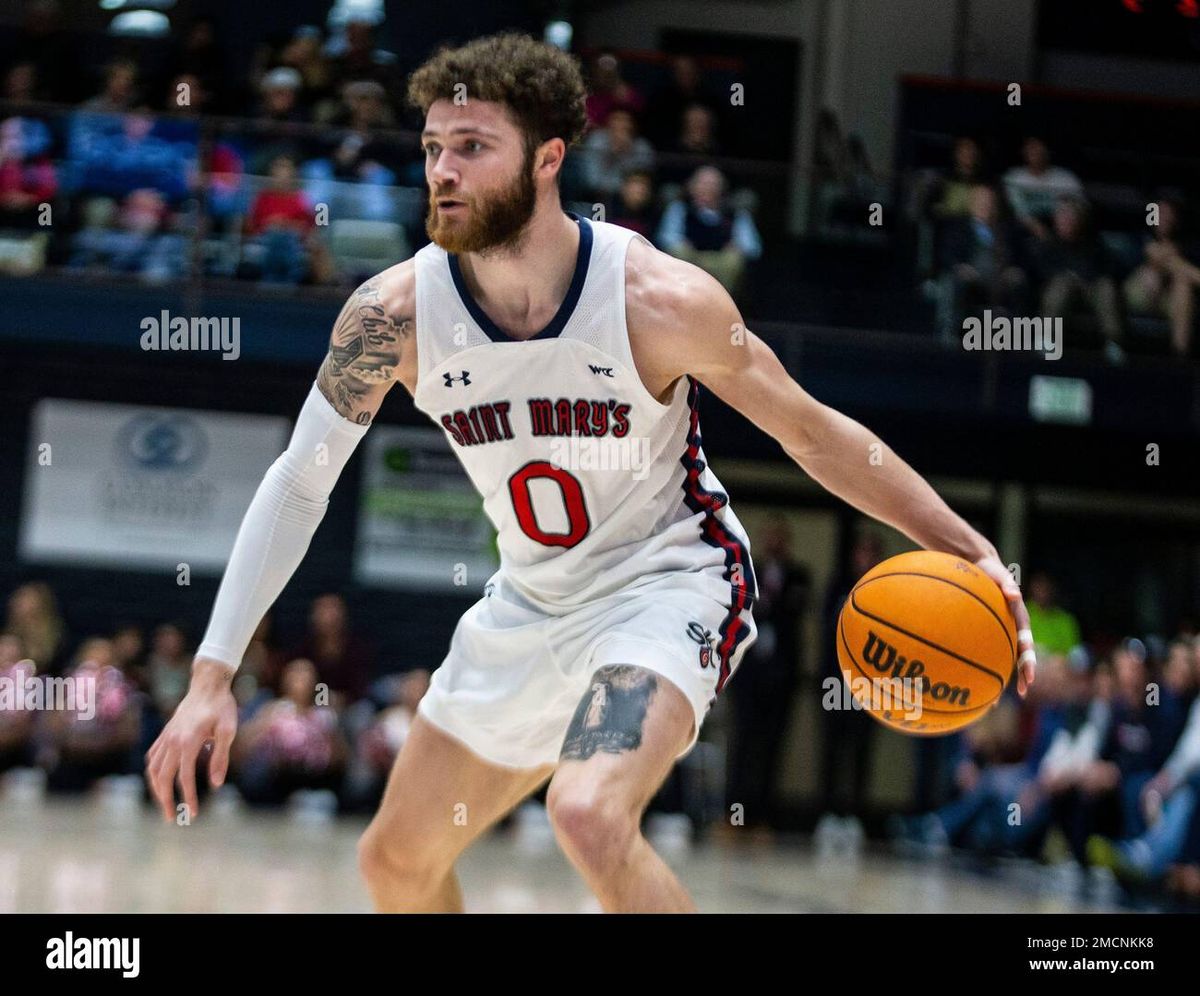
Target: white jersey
column 592, row 484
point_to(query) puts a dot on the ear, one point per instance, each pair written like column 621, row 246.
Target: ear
column 548, row 159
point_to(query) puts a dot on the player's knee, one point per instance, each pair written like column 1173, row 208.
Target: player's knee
column 387, row 861
column 592, row 828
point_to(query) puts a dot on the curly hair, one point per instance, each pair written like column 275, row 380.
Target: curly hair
column 541, row 85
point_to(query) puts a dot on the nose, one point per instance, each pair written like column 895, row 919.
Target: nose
column 440, row 171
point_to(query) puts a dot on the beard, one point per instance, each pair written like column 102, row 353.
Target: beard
column 493, row 222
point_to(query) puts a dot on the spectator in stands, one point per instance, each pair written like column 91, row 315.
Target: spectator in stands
column 117, row 156
column 360, row 154
column 989, row 783
column 762, row 706
column 199, row 55
column 35, row 135
column 120, row 92
column 303, row 54
column 1074, row 747
column 697, row 134
column 34, row 618
column 847, row 735
column 258, row 677
column 1035, row 188
column 1076, row 270
column 633, row 206
column 291, row 743
column 1140, row 738
column 979, row 260
column 168, row 667
column 280, row 224
column 952, row 194
column 664, row 113
column 1165, row 284
column 16, row 724
column 377, row 746
column 1055, row 630
column 136, row 239
column 704, row 230
column 343, row 659
column 828, row 165
column 353, row 55
column 611, row 151
column 28, row 183
column 280, row 96
column 129, row 650
column 1168, row 801
column 846, row 185
column 607, row 91
column 81, row 748
column 44, row 42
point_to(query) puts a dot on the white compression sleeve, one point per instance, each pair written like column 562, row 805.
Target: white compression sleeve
column 278, row 526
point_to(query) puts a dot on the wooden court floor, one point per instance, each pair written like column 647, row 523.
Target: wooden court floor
column 94, row 854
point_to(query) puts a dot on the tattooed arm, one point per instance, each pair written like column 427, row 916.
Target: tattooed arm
column 373, row 345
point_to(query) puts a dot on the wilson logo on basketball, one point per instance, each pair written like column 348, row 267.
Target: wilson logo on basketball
column 886, row 659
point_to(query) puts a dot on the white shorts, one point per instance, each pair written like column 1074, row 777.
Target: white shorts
column 514, row 676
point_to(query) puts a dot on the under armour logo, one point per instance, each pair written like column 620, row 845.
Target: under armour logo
column 450, row 380
column 606, row 371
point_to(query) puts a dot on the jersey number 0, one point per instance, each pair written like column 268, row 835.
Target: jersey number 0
column 571, row 493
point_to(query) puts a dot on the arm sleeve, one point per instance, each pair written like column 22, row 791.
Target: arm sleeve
column 278, row 526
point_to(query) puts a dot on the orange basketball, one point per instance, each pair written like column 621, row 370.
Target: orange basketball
column 926, row 643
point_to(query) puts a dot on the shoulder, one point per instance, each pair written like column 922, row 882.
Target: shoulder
column 398, row 288
column 666, row 293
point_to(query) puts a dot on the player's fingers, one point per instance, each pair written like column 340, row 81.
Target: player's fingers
column 162, row 782
column 187, row 777
column 1027, row 657
column 218, row 762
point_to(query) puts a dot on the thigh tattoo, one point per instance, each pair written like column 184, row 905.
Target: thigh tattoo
column 611, row 717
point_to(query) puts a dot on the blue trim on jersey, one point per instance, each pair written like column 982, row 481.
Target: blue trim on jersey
column 565, row 310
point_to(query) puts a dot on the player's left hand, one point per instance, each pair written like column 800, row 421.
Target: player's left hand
column 1026, row 658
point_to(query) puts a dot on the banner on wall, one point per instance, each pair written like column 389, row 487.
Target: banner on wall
column 141, row 487
column 421, row 522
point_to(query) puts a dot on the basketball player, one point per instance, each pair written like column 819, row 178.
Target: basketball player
column 622, row 604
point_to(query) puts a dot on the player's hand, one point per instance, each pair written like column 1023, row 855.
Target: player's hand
column 1026, row 658
column 208, row 713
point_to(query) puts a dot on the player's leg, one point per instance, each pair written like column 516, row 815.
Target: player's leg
column 621, row 744
column 440, row 797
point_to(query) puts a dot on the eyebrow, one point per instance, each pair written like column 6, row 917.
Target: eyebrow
column 462, row 129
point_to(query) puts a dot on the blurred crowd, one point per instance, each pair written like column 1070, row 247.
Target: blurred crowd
column 1028, row 240
column 314, row 717
column 302, row 167
column 1098, row 767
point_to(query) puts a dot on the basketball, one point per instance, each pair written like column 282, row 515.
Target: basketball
column 926, row 643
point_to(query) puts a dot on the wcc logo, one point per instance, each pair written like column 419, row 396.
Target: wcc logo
column 705, row 638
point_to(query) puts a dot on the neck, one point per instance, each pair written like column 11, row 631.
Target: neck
column 522, row 287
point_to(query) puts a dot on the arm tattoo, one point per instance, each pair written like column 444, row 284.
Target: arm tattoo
column 610, row 718
column 364, row 351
